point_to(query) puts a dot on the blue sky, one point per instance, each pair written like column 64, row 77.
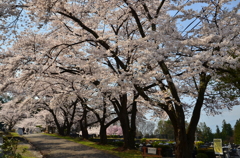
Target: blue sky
column 230, row 117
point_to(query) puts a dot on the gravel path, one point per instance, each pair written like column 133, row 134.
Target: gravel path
column 52, row 147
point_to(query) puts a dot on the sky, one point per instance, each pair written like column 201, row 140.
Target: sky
column 230, row 117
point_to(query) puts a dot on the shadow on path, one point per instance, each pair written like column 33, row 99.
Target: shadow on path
column 52, row 147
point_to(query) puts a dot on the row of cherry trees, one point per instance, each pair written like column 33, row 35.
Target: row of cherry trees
column 116, row 58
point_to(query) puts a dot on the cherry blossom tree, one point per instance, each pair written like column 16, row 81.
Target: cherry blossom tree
column 35, row 122
column 121, row 107
column 114, row 130
column 146, row 57
column 44, row 85
column 105, row 116
column 62, row 106
column 12, row 113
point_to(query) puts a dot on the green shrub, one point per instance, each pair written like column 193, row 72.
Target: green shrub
column 202, row 155
column 207, row 151
column 156, row 144
column 166, row 149
column 137, row 145
column 143, row 140
column 170, row 142
column 119, row 143
column 112, row 136
column 9, row 148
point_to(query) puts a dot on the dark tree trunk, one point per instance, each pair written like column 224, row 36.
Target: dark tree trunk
column 84, row 129
column 185, row 137
column 61, row 131
column 124, row 120
column 59, row 127
column 83, row 124
column 101, row 120
column 132, row 132
column 10, row 126
column 68, row 129
column 83, row 120
column 103, row 128
column 103, row 135
column 184, row 143
column 126, row 136
column 128, row 128
column 69, row 121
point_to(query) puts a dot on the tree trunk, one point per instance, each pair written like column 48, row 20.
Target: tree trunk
column 101, row 120
column 10, row 126
column 70, row 122
column 84, row 129
column 61, row 131
column 129, row 129
column 103, row 135
column 68, row 129
column 126, row 136
column 124, row 120
column 185, row 139
column 184, row 143
column 133, row 128
column 59, row 127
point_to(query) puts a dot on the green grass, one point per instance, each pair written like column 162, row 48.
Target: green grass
column 107, row 148
column 111, row 149
column 28, row 153
column 14, row 134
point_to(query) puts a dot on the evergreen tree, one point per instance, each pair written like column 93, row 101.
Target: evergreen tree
column 165, row 129
column 204, row 132
column 237, row 132
column 227, row 132
column 218, row 133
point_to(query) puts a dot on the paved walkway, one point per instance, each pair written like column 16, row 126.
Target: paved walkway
column 52, row 147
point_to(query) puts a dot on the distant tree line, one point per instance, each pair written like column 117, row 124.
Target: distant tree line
column 227, row 133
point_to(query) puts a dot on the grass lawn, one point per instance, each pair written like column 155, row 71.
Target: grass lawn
column 108, row 148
